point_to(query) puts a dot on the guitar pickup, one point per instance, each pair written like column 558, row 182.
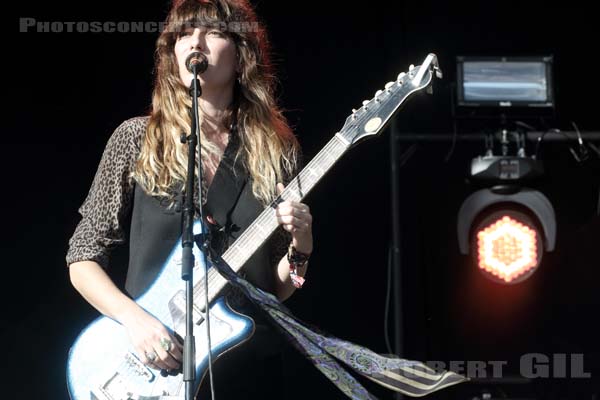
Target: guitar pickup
column 177, row 306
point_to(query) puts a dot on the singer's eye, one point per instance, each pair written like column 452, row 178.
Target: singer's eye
column 185, row 32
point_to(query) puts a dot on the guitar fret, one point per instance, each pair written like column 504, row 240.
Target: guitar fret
column 235, row 251
column 215, row 284
column 312, row 173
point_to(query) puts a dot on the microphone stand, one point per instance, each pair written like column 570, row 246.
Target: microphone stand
column 189, row 351
column 396, row 244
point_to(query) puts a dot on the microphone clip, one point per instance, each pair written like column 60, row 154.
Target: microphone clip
column 196, row 63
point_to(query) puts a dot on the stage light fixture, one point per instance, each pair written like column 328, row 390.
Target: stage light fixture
column 506, row 225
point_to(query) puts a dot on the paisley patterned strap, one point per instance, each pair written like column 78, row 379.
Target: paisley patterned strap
column 326, row 352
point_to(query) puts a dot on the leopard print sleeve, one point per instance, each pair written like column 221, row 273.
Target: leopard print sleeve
column 109, row 199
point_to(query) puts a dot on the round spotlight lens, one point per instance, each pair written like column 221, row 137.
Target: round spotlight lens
column 508, row 246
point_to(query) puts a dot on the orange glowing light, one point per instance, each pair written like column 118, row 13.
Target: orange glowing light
column 507, row 249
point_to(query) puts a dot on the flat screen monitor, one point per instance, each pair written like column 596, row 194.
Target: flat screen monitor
column 504, row 82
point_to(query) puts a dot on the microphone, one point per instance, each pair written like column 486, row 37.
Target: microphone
column 197, row 61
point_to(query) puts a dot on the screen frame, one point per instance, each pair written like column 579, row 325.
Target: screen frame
column 505, row 104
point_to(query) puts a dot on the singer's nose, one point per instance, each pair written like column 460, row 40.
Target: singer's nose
column 197, row 41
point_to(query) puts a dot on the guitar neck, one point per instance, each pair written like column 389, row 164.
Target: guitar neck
column 266, row 223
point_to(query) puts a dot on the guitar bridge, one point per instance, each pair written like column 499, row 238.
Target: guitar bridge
column 131, row 372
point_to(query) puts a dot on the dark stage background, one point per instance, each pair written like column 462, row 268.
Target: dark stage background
column 64, row 94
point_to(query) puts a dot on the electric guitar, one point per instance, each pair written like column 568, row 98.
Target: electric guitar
column 102, row 363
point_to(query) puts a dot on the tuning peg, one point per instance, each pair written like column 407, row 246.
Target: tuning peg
column 366, row 102
column 411, row 67
column 354, row 111
column 402, row 75
column 377, row 94
column 389, row 85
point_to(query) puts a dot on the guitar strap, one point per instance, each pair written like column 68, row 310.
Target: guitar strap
column 328, row 353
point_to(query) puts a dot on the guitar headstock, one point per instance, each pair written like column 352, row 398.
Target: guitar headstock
column 374, row 114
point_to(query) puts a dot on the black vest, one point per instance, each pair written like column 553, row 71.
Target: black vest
column 156, row 227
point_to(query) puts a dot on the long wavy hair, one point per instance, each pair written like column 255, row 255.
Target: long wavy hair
column 267, row 147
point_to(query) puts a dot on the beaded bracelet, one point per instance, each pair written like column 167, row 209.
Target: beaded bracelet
column 296, row 260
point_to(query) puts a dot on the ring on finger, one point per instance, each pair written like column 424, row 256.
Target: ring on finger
column 151, row 356
column 166, row 344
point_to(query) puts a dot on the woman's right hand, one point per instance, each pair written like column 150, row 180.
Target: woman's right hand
column 145, row 331
column 148, row 336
